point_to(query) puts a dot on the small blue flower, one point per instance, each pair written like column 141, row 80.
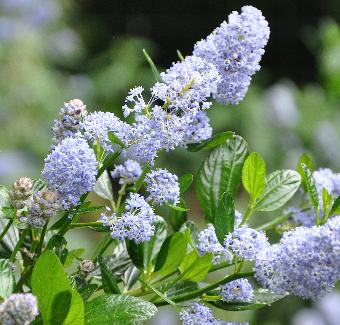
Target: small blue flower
column 238, row 290
column 162, row 187
column 128, row 173
column 71, row 169
column 197, row 314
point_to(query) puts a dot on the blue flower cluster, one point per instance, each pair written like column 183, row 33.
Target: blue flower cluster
column 198, row 314
column 97, row 126
column 207, row 242
column 162, row 187
column 305, row 263
column 19, row 308
column 236, row 48
column 238, row 290
column 246, row 242
column 128, row 172
column 136, row 223
column 71, row 114
column 71, row 169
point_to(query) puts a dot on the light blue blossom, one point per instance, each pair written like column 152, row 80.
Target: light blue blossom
column 136, row 223
column 198, row 129
column 304, row 217
column 187, row 85
column 136, row 100
column 97, row 126
column 305, row 263
column 71, row 169
column 238, row 290
column 162, row 187
column 197, row 314
column 71, row 114
column 19, row 308
column 128, row 173
column 236, row 49
column 207, row 242
column 326, row 178
column 246, row 242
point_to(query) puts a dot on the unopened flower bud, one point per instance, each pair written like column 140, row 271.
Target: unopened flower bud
column 21, row 191
column 86, row 266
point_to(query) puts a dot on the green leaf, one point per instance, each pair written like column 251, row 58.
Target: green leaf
column 12, row 236
column 181, row 287
column 49, row 280
column 38, row 185
column 171, row 254
column 140, row 180
column 72, row 255
column 114, row 139
column 177, row 218
column 220, row 172
column 118, row 310
column 224, row 218
column 262, row 298
column 75, row 315
column 103, row 187
column 185, row 182
column 307, row 160
column 195, row 267
column 180, row 55
column 280, row 187
column 153, row 66
column 88, row 291
column 327, row 200
column 108, row 279
column 60, row 307
column 178, row 208
column 214, row 141
column 6, row 279
column 190, row 229
column 254, row 175
column 335, row 207
column 311, row 188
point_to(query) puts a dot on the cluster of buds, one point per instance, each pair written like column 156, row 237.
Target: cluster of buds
column 45, row 204
column 86, row 267
column 21, row 191
column 71, row 115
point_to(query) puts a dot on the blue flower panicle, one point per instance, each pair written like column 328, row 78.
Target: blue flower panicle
column 162, row 187
column 235, row 48
column 246, row 242
column 71, row 169
column 19, row 308
column 136, row 223
column 305, row 263
column 237, row 290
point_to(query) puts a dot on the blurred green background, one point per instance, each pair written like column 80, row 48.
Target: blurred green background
column 52, row 51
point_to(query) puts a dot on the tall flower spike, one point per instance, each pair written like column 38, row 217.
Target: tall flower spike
column 20, row 308
column 238, row 290
column 136, row 223
column 71, row 115
column 128, row 173
column 236, row 49
column 97, row 126
column 71, row 169
column 162, row 187
column 187, row 85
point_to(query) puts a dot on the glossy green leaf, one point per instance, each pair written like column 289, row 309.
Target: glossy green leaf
column 195, row 267
column 60, row 307
column 177, row 218
column 335, row 207
column 6, row 279
column 118, row 310
column 214, row 141
column 178, row 208
column 171, row 254
column 254, row 175
column 281, row 185
column 88, row 291
column 311, row 188
column 327, row 200
column 224, row 218
column 219, row 173
column 103, row 187
column 49, row 280
column 307, row 160
column 181, row 287
column 185, row 182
